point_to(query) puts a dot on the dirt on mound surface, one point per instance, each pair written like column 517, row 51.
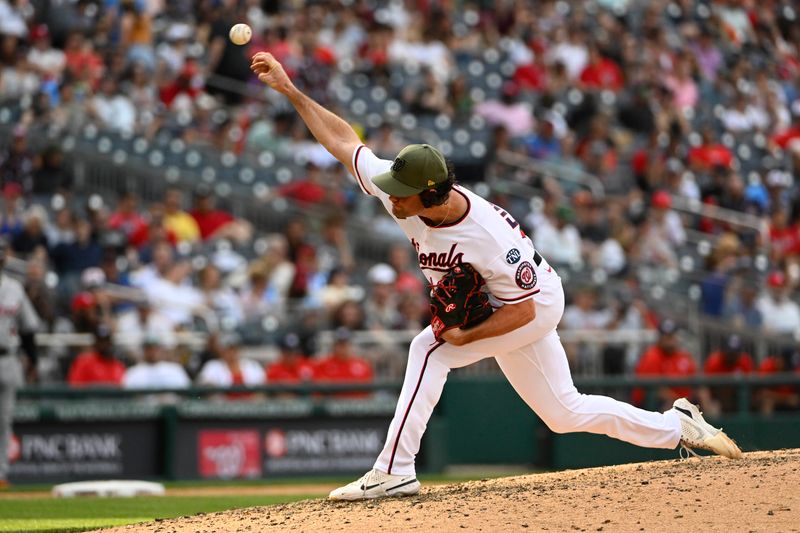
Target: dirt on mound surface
column 758, row 493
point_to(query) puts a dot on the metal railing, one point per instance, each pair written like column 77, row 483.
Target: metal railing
column 720, row 214
column 359, row 337
column 547, row 168
column 746, row 385
column 192, row 339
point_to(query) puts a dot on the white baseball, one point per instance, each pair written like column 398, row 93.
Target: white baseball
column 240, row 34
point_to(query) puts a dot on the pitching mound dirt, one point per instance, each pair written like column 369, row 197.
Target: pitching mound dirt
column 758, row 493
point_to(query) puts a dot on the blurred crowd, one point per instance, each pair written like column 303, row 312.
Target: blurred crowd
column 686, row 112
column 163, row 273
column 220, row 365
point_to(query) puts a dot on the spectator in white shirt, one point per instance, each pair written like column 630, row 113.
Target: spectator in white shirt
column 155, row 371
column 423, row 49
column 137, row 324
column 736, row 21
column 113, row 109
column 220, row 298
column 381, row 304
column 583, row 312
column 12, row 19
column 781, row 314
column 162, row 260
column 230, row 369
column 744, row 116
column 558, row 239
column 19, row 80
column 47, row 61
column 667, row 220
column 173, row 52
column 570, row 49
column 660, row 233
column 177, row 301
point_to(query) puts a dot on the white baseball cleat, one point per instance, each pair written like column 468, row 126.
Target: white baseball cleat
column 697, row 433
column 377, row 484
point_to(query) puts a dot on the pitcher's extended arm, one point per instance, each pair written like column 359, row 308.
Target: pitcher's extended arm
column 331, row 131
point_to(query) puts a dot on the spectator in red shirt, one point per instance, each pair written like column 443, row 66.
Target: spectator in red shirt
column 532, row 76
column 83, row 62
column 181, row 85
column 601, row 73
column 291, row 366
column 308, row 190
column 215, row 223
column 710, row 153
column 665, row 359
column 97, row 366
column 85, row 315
column 780, row 397
column 729, row 359
column 788, row 136
column 154, row 231
column 784, row 237
column 408, row 280
column 342, row 365
column 127, row 218
column 209, row 220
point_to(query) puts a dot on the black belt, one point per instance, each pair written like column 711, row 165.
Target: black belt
column 537, row 258
column 4, row 351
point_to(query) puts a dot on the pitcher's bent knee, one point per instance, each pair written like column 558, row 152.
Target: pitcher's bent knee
column 560, row 426
column 561, row 419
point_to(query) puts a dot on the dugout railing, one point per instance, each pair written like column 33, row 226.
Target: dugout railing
column 745, row 384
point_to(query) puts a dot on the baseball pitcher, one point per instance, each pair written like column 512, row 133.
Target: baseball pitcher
column 465, row 246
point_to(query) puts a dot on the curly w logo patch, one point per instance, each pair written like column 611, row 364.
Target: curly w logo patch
column 398, row 165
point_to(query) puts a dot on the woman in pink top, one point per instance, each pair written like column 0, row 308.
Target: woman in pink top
column 684, row 89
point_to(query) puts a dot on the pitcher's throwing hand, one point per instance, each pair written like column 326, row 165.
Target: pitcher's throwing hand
column 270, row 71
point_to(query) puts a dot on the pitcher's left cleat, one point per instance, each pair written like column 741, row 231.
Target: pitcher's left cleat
column 377, row 484
column 696, row 433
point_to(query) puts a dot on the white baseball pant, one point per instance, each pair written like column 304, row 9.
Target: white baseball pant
column 534, row 362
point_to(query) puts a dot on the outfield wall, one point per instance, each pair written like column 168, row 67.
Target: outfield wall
column 63, row 436
column 485, row 422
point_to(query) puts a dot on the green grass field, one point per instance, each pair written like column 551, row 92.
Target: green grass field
column 31, row 513
column 80, row 514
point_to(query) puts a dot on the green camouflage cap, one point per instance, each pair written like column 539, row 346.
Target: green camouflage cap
column 417, row 168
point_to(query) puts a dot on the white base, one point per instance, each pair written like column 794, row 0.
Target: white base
column 117, row 488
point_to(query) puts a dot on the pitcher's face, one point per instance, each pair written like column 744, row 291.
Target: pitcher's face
column 405, row 207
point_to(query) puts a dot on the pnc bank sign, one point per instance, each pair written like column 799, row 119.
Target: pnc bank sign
column 66, row 447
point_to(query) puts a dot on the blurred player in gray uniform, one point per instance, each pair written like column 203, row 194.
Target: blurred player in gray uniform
column 18, row 322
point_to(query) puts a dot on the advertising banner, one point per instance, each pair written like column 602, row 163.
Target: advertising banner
column 277, row 448
column 322, row 448
column 229, row 454
column 48, row 453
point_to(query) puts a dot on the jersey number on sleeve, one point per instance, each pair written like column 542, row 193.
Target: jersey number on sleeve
column 508, row 218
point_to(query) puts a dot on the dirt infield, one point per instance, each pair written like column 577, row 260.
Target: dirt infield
column 759, row 493
column 254, row 490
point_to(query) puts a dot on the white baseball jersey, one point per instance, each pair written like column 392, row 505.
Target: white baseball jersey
column 16, row 313
column 486, row 236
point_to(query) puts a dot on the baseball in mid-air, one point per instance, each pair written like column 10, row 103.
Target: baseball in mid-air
column 240, row 34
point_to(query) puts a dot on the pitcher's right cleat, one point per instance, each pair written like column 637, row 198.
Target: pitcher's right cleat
column 377, row 484
column 697, row 433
